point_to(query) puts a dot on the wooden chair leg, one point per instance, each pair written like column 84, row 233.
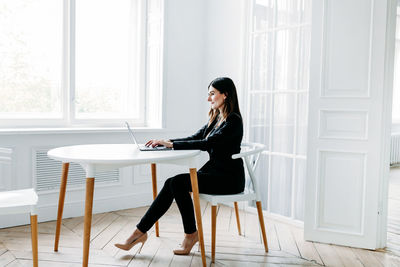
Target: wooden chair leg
column 154, row 182
column 237, row 217
column 63, row 187
column 261, row 218
column 34, row 237
column 88, row 220
column 213, row 231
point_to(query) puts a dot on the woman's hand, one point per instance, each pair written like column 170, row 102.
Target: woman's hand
column 155, row 142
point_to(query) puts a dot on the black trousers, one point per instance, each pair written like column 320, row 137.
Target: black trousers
column 179, row 188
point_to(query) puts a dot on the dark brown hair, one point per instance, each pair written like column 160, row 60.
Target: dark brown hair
column 225, row 85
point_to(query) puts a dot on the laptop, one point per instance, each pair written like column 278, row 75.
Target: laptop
column 143, row 147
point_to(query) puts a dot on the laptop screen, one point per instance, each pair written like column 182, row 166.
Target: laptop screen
column 132, row 135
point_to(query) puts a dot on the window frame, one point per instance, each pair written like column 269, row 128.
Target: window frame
column 68, row 117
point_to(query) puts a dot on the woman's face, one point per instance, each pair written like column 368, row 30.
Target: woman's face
column 216, row 98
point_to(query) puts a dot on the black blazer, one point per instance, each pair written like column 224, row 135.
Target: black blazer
column 221, row 144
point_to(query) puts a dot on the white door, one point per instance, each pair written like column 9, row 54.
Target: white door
column 349, row 121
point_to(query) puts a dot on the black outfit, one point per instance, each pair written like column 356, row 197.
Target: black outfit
column 220, row 175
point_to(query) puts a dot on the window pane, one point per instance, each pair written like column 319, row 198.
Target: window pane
column 289, row 12
column 283, row 123
column 299, row 194
column 263, row 14
column 106, row 85
column 281, row 185
column 305, row 8
column 262, row 61
column 286, row 59
column 302, row 113
column 30, row 58
column 304, row 58
column 260, row 118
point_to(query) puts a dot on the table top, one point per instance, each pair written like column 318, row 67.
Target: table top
column 116, row 154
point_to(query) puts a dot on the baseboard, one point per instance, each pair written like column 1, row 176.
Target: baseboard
column 278, row 217
column 272, row 216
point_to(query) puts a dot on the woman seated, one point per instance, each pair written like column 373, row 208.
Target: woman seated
column 221, row 138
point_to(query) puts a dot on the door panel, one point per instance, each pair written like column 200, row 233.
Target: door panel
column 347, row 120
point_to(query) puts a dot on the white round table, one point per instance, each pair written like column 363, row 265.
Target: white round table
column 102, row 157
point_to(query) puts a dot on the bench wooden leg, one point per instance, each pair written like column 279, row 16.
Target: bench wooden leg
column 34, row 237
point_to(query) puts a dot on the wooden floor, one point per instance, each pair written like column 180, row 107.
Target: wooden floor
column 393, row 241
column 287, row 247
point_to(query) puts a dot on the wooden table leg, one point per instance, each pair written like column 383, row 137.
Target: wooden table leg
column 197, row 212
column 61, row 199
column 154, row 182
column 88, row 220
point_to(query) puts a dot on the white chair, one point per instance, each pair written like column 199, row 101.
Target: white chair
column 250, row 152
column 22, row 201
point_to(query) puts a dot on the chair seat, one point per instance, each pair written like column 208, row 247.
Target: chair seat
column 22, row 201
column 220, row 199
column 17, row 201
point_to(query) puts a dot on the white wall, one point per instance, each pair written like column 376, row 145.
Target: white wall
column 223, row 46
column 185, row 89
column 203, row 42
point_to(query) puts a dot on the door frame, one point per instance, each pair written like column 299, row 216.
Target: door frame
column 386, row 122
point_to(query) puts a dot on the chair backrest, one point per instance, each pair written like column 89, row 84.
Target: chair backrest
column 251, row 152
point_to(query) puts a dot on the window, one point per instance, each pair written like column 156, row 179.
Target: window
column 86, row 62
column 276, row 99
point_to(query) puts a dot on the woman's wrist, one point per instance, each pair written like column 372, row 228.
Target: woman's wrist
column 168, row 143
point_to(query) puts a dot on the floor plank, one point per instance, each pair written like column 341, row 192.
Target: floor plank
column 307, row 249
column 328, row 254
column 387, row 259
column 286, row 239
column 6, row 258
column 348, row 257
column 367, row 258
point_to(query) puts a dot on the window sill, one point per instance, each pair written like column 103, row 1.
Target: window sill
column 8, row 131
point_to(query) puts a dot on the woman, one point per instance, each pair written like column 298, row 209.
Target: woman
column 221, row 138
